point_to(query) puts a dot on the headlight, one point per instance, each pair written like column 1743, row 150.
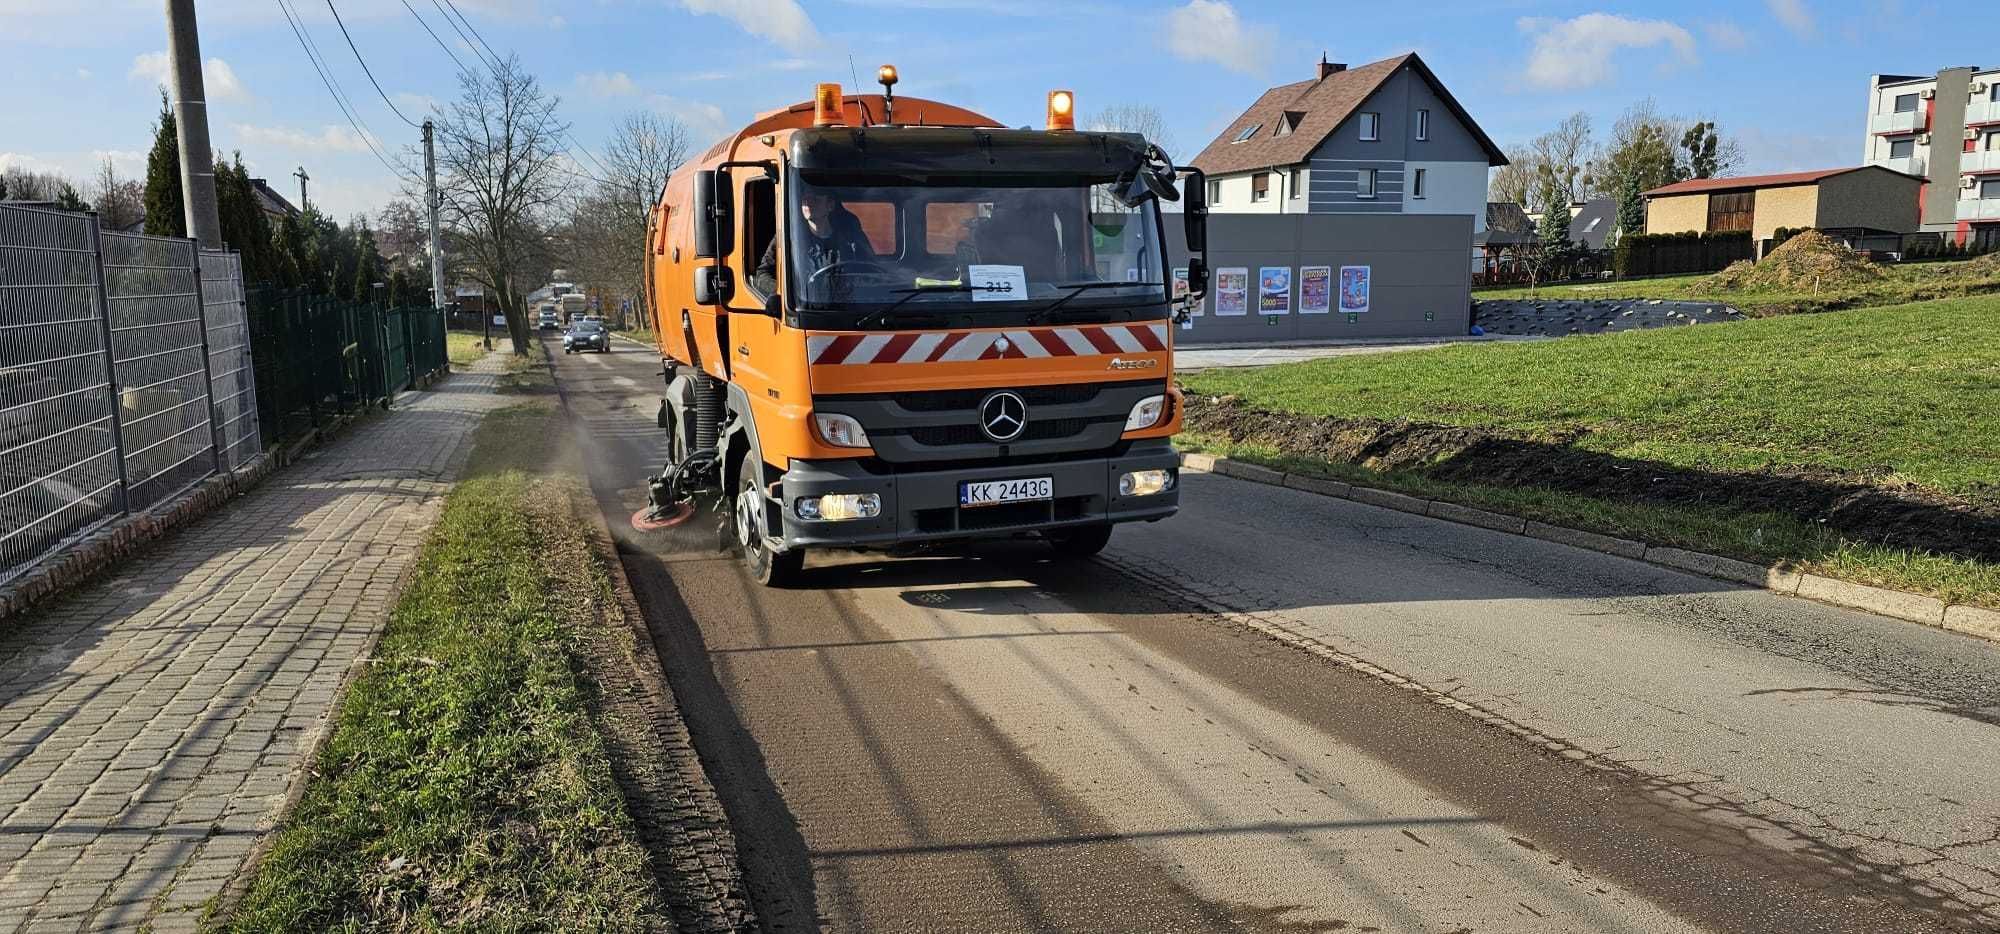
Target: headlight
column 1147, row 413
column 1145, row 482
column 834, row 507
column 841, row 431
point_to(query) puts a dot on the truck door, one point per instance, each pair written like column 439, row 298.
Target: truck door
column 757, row 342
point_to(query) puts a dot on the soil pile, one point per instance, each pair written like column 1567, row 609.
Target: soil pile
column 1809, row 262
column 1855, row 505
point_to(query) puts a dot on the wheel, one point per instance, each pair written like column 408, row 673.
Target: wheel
column 1079, row 543
column 772, row 569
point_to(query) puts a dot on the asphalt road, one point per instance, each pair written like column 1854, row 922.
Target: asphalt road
column 1281, row 712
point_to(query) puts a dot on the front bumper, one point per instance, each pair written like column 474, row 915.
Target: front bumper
column 922, row 505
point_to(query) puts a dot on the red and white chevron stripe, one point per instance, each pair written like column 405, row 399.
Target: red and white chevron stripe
column 960, row 346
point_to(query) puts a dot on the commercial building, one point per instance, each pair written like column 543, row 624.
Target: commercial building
column 1946, row 129
column 1856, row 203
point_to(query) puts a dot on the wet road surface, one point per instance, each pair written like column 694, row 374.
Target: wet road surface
column 1279, row 712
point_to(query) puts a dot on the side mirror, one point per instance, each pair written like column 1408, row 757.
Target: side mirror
column 712, row 214
column 712, row 285
column 1197, row 278
column 1194, row 210
column 774, row 306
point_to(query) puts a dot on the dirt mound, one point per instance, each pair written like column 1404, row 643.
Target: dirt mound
column 1853, row 504
column 1810, row 261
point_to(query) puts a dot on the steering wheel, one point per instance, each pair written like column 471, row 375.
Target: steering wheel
column 845, row 267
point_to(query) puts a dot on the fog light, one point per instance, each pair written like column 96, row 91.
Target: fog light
column 1145, row 482
column 835, row 507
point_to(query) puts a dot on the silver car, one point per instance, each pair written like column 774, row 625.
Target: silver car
column 586, row 335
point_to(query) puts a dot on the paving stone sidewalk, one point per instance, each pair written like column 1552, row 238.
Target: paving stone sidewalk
column 152, row 723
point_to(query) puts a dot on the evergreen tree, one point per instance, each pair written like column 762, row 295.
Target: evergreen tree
column 1631, row 207
column 166, row 214
column 287, row 247
column 244, row 224
column 69, row 200
column 367, row 263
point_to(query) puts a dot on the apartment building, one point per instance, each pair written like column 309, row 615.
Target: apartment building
column 1946, row 129
column 1381, row 138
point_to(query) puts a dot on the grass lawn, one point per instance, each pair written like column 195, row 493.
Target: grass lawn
column 1903, row 396
column 1904, row 283
column 466, row 784
column 463, row 348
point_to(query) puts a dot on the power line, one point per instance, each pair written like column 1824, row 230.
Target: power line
column 474, row 29
column 463, row 37
column 434, row 36
column 332, row 88
column 366, row 70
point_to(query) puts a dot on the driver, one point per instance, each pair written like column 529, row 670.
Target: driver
column 827, row 234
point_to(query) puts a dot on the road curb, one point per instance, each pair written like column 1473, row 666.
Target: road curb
column 1978, row 622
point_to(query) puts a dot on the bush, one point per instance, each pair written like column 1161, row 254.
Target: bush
column 1678, row 253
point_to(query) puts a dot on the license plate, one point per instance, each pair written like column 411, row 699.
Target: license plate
column 996, row 492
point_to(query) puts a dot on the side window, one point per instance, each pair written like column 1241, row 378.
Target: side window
column 1417, row 187
column 760, row 219
column 947, row 224
column 1902, row 148
column 1906, row 103
column 1371, row 127
column 1423, row 124
column 1364, row 183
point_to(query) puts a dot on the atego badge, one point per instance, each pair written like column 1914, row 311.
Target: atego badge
column 1003, row 416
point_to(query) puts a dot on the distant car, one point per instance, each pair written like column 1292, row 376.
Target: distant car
column 549, row 322
column 587, row 336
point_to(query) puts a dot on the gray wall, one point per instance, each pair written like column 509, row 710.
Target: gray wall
column 1337, row 159
column 1947, row 140
column 1418, row 266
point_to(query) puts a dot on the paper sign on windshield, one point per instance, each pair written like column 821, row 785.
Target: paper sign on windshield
column 998, row 283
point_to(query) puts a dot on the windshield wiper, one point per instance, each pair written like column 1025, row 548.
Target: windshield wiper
column 908, row 294
column 1077, row 288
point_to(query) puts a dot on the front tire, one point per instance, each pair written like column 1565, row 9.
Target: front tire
column 771, row 569
column 1079, row 543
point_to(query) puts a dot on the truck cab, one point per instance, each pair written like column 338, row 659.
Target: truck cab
column 894, row 334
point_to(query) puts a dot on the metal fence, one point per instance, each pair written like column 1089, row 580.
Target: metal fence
column 318, row 357
column 124, row 376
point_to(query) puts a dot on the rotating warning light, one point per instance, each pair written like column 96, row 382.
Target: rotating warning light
column 1062, row 110
column 826, row 105
column 887, row 75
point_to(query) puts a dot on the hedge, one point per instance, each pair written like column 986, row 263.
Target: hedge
column 1675, row 253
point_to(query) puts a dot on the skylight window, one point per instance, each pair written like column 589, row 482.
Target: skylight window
column 1247, row 133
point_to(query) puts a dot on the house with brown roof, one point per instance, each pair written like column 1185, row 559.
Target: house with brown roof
column 1854, row 203
column 1381, row 138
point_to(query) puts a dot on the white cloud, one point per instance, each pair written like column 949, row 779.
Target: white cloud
column 415, row 103
column 705, row 122
column 84, row 74
column 1795, row 16
column 1578, row 53
column 334, row 138
column 218, row 79
column 557, row 22
column 607, row 84
column 26, row 163
column 781, row 21
column 1210, row 30
column 1725, row 34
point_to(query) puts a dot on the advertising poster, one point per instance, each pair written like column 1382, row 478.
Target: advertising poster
column 1315, row 290
column 1181, row 293
column 1232, row 291
column 1354, row 289
column 1274, row 290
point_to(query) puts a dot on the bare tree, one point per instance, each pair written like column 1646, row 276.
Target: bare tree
column 1142, row 119
column 501, row 179
column 607, row 229
column 1515, row 181
column 1564, row 154
column 121, row 203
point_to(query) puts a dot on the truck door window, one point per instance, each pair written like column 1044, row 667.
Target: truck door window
column 760, row 217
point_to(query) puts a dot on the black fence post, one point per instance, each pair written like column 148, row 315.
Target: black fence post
column 110, row 364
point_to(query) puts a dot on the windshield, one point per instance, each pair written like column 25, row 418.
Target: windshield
column 979, row 250
column 587, row 326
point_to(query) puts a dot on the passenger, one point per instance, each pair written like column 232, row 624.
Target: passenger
column 826, row 233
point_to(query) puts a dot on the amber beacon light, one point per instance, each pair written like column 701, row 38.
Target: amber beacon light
column 826, row 105
column 1062, row 110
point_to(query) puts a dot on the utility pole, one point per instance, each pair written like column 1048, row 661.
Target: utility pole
column 432, row 203
column 204, row 221
column 303, row 178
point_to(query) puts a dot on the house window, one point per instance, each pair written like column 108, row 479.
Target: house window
column 1906, row 103
column 1214, row 192
column 1364, row 183
column 1994, row 94
column 1423, row 124
column 1902, row 148
column 1993, row 140
column 1260, row 186
column 1990, row 188
column 1297, row 183
column 1417, row 186
column 1731, row 211
column 1371, row 127
column 1248, row 132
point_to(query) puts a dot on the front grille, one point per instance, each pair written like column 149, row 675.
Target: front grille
column 954, row 400
column 1046, row 430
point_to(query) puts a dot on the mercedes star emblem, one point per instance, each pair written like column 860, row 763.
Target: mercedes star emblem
column 1003, row 416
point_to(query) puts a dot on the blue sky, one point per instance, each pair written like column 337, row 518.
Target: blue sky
column 1785, row 76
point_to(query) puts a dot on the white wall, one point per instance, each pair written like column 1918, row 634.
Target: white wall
column 1449, row 188
column 1233, row 196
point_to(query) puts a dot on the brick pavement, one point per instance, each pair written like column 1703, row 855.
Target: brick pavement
column 152, row 723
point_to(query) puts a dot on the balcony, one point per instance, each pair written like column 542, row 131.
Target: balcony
column 1982, row 111
column 1979, row 209
column 1909, row 121
column 1980, row 162
column 1909, row 165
